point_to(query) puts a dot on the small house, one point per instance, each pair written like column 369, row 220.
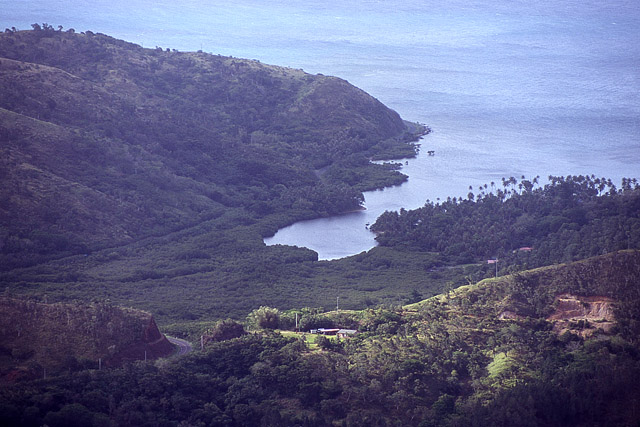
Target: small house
column 324, row 331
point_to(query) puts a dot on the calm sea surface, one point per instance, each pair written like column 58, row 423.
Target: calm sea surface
column 509, row 88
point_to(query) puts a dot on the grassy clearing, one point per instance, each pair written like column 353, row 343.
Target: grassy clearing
column 310, row 339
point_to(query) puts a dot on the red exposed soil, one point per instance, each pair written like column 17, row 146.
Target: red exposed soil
column 583, row 315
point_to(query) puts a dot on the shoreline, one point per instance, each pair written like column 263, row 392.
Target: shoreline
column 268, row 240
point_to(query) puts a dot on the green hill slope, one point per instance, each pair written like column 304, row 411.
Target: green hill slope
column 491, row 353
column 104, row 142
column 150, row 176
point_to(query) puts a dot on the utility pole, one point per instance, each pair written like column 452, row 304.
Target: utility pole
column 297, row 323
column 494, row 261
column 337, row 304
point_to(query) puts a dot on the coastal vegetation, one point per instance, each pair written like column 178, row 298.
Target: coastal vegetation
column 421, row 252
column 148, row 178
column 121, row 143
column 522, row 224
column 129, row 171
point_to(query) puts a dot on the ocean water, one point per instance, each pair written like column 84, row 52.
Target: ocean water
column 509, row 88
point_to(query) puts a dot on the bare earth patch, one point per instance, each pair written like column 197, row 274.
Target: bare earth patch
column 583, row 315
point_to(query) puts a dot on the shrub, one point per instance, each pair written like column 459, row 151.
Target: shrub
column 225, row 330
column 264, row 318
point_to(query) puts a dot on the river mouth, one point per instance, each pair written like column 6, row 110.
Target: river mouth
column 460, row 164
column 331, row 238
column 348, row 234
column 454, row 165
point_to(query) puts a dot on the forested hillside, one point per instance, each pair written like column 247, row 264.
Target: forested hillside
column 502, row 352
column 37, row 339
column 105, row 143
column 150, row 176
